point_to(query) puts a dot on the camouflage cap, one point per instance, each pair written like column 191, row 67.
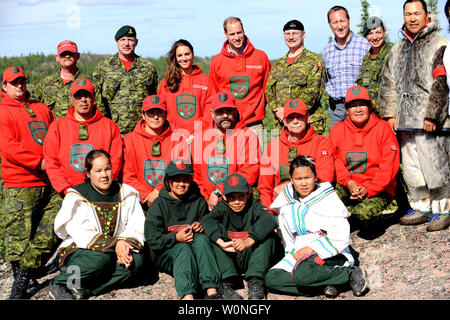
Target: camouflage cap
column 178, row 167
column 12, row 73
column 125, row 31
column 372, row 23
column 235, row 183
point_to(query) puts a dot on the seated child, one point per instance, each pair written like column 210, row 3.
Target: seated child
column 175, row 236
column 244, row 241
column 315, row 234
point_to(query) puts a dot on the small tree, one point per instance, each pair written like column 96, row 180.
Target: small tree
column 433, row 8
column 364, row 15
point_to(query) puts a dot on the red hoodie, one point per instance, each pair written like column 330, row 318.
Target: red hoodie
column 275, row 164
column 143, row 171
column 245, row 76
column 65, row 153
column 369, row 156
column 187, row 104
column 21, row 139
column 212, row 164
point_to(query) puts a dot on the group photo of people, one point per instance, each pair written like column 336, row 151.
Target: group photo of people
column 241, row 177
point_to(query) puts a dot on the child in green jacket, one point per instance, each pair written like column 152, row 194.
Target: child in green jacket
column 244, row 241
column 175, row 236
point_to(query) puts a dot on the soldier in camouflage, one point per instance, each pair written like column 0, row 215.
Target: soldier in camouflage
column 373, row 62
column 29, row 204
column 300, row 74
column 54, row 90
column 123, row 81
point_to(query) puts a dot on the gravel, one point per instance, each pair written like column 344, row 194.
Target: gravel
column 404, row 263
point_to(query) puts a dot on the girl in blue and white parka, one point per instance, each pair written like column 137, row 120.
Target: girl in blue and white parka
column 316, row 234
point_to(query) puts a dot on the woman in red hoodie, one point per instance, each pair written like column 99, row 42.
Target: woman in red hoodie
column 185, row 88
column 367, row 159
column 297, row 138
column 70, row 139
column 29, row 204
column 150, row 148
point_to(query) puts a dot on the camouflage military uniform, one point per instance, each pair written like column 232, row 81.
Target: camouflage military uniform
column 54, row 93
column 303, row 79
column 370, row 74
column 119, row 94
column 368, row 210
column 28, row 217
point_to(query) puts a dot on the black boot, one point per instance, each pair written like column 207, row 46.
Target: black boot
column 20, row 285
column 256, row 290
column 15, row 268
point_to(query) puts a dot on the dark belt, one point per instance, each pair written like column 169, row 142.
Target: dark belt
column 333, row 102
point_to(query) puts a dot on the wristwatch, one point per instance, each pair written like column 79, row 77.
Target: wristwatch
column 217, row 192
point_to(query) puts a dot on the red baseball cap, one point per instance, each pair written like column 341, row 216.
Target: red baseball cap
column 222, row 100
column 154, row 101
column 295, row 106
column 82, row 84
column 12, row 73
column 356, row 93
column 67, row 45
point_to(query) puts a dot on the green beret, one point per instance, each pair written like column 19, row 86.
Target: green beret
column 125, row 31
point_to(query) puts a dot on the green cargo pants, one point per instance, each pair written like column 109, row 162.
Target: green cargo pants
column 98, row 272
column 253, row 261
column 309, row 273
column 28, row 220
column 191, row 265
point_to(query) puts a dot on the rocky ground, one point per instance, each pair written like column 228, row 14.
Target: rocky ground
column 403, row 263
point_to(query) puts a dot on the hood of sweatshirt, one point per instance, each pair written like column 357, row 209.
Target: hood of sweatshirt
column 140, row 130
column 358, row 133
column 192, row 195
column 284, row 137
column 6, row 100
column 248, row 51
column 71, row 116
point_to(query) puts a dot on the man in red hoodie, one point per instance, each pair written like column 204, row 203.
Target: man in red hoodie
column 70, row 139
column 241, row 70
column 224, row 148
column 149, row 148
column 297, row 138
column 29, row 203
column 367, row 159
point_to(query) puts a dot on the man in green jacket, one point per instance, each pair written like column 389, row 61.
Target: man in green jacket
column 123, row 81
column 54, row 90
column 300, row 74
column 244, row 241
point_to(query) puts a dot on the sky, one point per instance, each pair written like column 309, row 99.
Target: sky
column 37, row 26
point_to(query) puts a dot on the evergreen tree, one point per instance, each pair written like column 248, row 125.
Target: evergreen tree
column 433, row 8
column 364, row 15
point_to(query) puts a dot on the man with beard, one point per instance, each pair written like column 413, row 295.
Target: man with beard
column 223, row 149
